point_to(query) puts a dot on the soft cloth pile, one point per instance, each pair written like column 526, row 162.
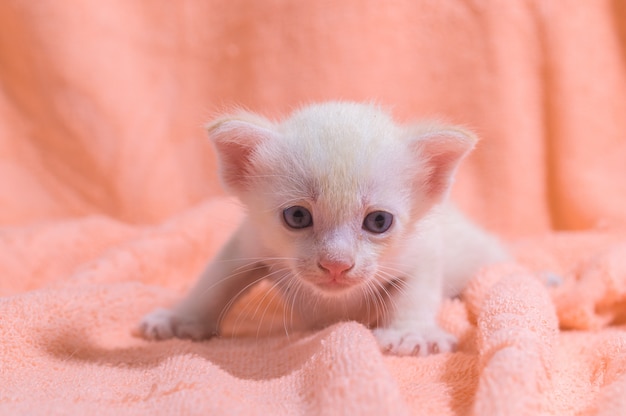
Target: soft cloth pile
column 109, row 204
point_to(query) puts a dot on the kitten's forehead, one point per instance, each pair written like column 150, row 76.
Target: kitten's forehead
column 351, row 122
column 340, row 136
column 341, row 154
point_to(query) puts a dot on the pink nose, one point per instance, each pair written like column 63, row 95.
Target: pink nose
column 335, row 267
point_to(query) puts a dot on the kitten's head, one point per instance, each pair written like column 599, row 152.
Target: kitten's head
column 335, row 189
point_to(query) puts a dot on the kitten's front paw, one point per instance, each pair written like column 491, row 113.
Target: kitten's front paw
column 165, row 324
column 421, row 342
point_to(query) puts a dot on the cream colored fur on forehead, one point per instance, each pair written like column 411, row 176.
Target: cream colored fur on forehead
column 346, row 130
column 341, row 153
column 353, row 117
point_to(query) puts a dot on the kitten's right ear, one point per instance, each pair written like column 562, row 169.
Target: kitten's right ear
column 441, row 149
column 235, row 140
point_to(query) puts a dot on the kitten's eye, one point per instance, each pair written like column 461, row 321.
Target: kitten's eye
column 297, row 217
column 377, row 222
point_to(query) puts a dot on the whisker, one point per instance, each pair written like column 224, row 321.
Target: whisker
column 234, row 298
column 366, row 299
column 233, row 275
column 262, row 262
column 392, row 280
column 274, row 291
column 289, row 293
column 391, row 303
column 265, row 259
column 379, row 301
column 299, row 285
column 399, row 272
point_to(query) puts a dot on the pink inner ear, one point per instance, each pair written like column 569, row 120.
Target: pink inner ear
column 442, row 152
column 235, row 142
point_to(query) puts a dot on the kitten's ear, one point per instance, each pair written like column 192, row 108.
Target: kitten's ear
column 441, row 149
column 235, row 140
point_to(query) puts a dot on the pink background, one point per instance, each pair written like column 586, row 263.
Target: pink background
column 110, row 206
column 102, row 103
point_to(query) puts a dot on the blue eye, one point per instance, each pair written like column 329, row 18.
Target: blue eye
column 377, row 222
column 297, row 217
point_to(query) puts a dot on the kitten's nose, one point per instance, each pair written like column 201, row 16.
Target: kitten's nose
column 335, row 267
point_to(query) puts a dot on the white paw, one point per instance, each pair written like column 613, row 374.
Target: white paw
column 421, row 342
column 164, row 324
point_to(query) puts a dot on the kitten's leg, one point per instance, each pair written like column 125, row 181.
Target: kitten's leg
column 412, row 328
column 197, row 316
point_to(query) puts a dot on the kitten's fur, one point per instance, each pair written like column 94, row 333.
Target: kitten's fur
column 340, row 162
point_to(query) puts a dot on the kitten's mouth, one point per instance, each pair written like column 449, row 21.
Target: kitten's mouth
column 335, row 285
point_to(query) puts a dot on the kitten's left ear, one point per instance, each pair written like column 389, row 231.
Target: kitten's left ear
column 236, row 139
column 441, row 149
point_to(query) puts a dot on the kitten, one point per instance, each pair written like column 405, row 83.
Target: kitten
column 347, row 214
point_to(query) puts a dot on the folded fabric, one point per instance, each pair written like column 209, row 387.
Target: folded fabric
column 68, row 348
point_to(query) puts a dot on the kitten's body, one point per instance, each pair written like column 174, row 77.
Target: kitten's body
column 347, row 214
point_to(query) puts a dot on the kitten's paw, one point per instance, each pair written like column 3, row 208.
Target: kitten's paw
column 165, row 324
column 421, row 342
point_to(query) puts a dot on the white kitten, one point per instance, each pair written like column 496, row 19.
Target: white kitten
column 346, row 214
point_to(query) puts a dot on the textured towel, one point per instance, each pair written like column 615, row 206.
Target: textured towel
column 110, row 207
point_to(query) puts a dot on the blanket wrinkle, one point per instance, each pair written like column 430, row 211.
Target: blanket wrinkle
column 595, row 294
column 335, row 361
column 506, row 321
column 517, row 327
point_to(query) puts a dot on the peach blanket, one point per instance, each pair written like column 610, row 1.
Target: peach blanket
column 109, row 203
